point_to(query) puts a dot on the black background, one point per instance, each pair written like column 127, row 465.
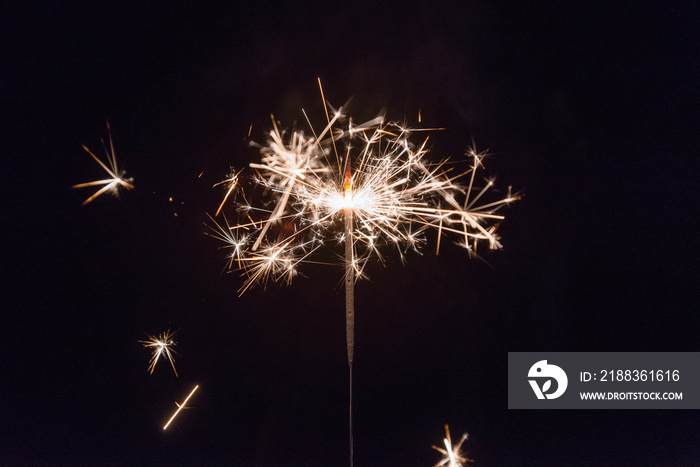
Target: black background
column 589, row 110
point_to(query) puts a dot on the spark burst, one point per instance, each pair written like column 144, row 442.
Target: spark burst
column 161, row 346
column 453, row 456
column 231, row 182
column 372, row 173
column 117, row 179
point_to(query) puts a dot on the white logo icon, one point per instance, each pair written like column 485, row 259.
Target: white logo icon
column 542, row 370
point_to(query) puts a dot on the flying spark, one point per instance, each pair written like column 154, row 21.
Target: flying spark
column 231, row 182
column 117, row 179
column 161, row 346
column 453, row 456
column 180, row 407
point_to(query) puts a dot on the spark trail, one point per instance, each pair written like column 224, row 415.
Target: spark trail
column 180, row 407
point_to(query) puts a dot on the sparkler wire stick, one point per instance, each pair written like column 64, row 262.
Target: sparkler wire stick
column 349, row 271
column 349, row 291
column 180, row 407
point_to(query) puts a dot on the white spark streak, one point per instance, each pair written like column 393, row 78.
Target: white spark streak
column 180, row 407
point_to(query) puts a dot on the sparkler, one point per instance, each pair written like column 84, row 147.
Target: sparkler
column 453, row 456
column 180, row 407
column 372, row 179
column 117, row 179
column 161, row 346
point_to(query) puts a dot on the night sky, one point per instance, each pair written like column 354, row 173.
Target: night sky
column 590, row 111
